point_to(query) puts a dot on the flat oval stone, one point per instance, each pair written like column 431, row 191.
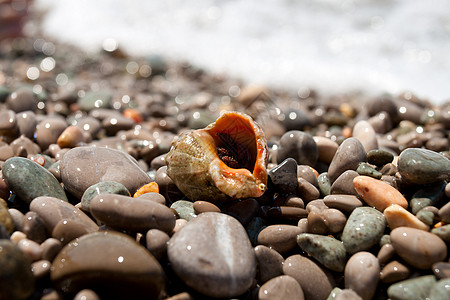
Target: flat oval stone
column 365, row 133
column 362, row 273
column 315, row 281
column 104, row 187
column 110, row 263
column 329, row 251
column 397, row 216
column 422, row 166
column 204, row 206
column 281, row 238
column 270, row 263
column 364, row 229
column 348, row 156
column 82, row 167
column 30, row 180
column 412, row 289
column 419, row 248
column 219, row 262
column 378, row 194
column 16, row 278
column 281, row 287
column 134, row 214
column 379, row 157
column 53, row 210
column 345, row 203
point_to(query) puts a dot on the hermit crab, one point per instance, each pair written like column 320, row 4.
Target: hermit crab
column 225, row 160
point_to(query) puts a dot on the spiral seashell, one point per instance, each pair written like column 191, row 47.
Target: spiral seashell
column 227, row 159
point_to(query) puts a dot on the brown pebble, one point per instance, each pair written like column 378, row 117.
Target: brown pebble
column 343, row 185
column 281, row 238
column 17, row 236
column 52, row 295
column 306, row 190
column 269, row 263
column 444, row 212
column 345, row 203
column 179, row 223
column 155, row 197
column 34, row 227
column 441, row 269
column 327, row 148
column 243, row 210
column 50, row 248
column 156, row 242
column 287, row 213
column 204, row 206
column 362, row 274
column 281, row 287
column 17, row 218
column 294, row 201
column 393, row 272
column 41, row 268
column 67, row 230
column 397, row 216
column 385, row 254
column 30, row 248
column 70, row 137
column 86, row 294
column 347, row 294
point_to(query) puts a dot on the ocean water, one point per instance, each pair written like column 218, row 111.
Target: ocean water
column 333, row 46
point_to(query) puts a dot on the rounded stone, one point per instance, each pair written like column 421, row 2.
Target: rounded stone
column 34, row 227
column 6, row 219
column 29, row 180
column 86, row 294
column 16, row 278
column 27, row 122
column 48, row 131
column 82, row 167
column 95, row 99
column 379, row 157
column 284, row 176
column 348, row 156
column 344, row 184
column 104, row 187
column 219, row 262
column 110, row 263
column 22, row 99
column 185, row 209
column 281, row 287
column 9, row 129
column 397, row 216
column 315, row 281
column 364, row 229
column 156, row 242
column 440, row 290
column 393, row 272
column 204, row 206
column 298, row 145
column 281, row 237
column 269, row 262
column 345, row 203
column 70, row 137
column 362, row 273
column 419, row 248
column 412, row 289
column 133, row 214
column 326, row 147
column 422, row 166
column 365, row 133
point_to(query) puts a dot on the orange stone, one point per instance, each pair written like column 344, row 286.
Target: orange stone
column 151, row 187
column 133, row 114
column 397, row 216
column 377, row 193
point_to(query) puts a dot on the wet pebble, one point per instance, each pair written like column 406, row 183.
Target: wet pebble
column 427, row 196
column 362, row 274
column 284, row 176
column 345, row 203
column 41, row 269
column 324, row 184
column 344, row 184
column 443, row 232
column 393, row 272
column 280, row 237
column 326, row 147
column 220, row 262
column 269, row 263
column 379, row 157
column 440, row 290
column 298, row 145
column 48, row 131
column 156, row 243
column 185, row 209
column 104, row 187
column 281, row 287
column 86, row 294
column 348, row 156
column 365, row 133
column 441, row 269
column 34, row 227
column 412, row 289
column 93, row 100
column 6, row 219
column 397, row 216
column 70, row 137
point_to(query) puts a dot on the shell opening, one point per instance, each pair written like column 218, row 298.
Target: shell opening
column 234, row 154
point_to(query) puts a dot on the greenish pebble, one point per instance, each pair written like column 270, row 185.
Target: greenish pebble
column 185, row 209
column 385, row 239
column 368, row 170
column 440, row 290
column 334, row 293
column 29, row 180
column 426, row 216
column 324, row 184
column 93, row 100
column 5, row 218
column 427, row 196
column 364, row 229
column 16, row 278
column 379, row 157
column 105, row 187
column 253, row 229
column 412, row 289
column 423, row 166
column 443, row 232
column 329, row 251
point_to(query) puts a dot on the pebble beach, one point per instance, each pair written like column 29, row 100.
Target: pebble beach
column 111, row 190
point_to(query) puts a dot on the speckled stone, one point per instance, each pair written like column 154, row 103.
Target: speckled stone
column 368, row 170
column 106, row 256
column 379, row 157
column 82, row 167
column 364, row 229
column 29, row 180
column 440, row 290
column 298, row 145
column 16, row 278
column 219, row 262
column 362, row 274
column 316, row 282
column 419, row 248
column 348, row 156
column 185, row 209
column 105, row 187
column 412, row 289
column 422, row 166
column 284, row 176
column 281, row 287
column 327, row 250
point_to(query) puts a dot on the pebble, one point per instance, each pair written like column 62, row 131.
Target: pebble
column 86, row 294
column 204, row 206
column 185, row 209
column 284, row 176
column 282, row 238
column 364, row 229
column 386, row 253
column 443, row 232
column 16, row 278
column 156, row 243
column 296, row 119
column 104, row 187
column 326, row 147
column 67, row 230
column 27, row 121
column 379, row 157
column 50, row 248
column 329, row 251
column 444, row 213
column 6, row 219
column 244, row 210
column 348, row 156
column 70, row 137
column 23, row 146
column 29, row 180
column 269, row 263
column 324, row 184
column 298, row 145
column 428, row 215
column 377, row 193
column 179, row 223
column 347, row 294
column 419, row 248
column 34, row 227
column 106, row 256
column 82, row 167
column 316, row 282
column 133, row 214
column 393, row 272
column 306, row 190
column 17, row 218
column 427, row 196
column 440, row 290
column 41, row 269
column 365, row 133
column 93, row 100
column 362, row 274
column 397, row 216
column 9, row 129
column 155, row 197
column 368, row 170
column 48, row 131
column 422, row 166
column 441, row 269
column 344, row 184
column 345, row 203
column 281, row 287
column 412, row 289
column 220, row 262
column 22, row 99
column 30, row 248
